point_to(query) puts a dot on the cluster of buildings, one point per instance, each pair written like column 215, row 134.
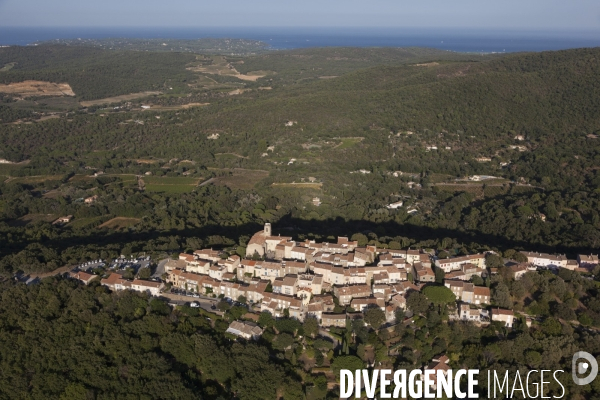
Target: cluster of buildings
column 300, row 279
column 309, row 279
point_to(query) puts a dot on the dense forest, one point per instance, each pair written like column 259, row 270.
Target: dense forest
column 60, row 339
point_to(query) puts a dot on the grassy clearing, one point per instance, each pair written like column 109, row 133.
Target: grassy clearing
column 81, row 178
column 241, row 178
column 170, row 184
column 168, row 180
column 79, row 223
column 36, row 179
column 300, row 185
column 120, row 223
column 7, row 67
column 33, row 218
column 348, row 142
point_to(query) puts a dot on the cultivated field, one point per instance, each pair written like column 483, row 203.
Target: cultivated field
column 241, row 178
column 170, row 184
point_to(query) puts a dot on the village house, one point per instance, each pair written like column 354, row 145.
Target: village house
column 150, row 287
column 82, row 276
column 398, row 300
column 345, row 294
column 438, row 364
column 337, row 320
column 361, row 304
column 588, row 261
column 466, row 313
column 422, row 273
column 544, row 260
column 63, row 220
column 244, row 329
column 518, row 270
column 505, row 316
column 91, row 199
column 455, row 263
column 462, row 290
column 115, row 282
column 481, row 295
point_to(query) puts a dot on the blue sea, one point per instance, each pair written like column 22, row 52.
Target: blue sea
column 473, row 41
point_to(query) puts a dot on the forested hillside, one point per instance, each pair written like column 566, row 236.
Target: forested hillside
column 395, row 124
column 95, row 73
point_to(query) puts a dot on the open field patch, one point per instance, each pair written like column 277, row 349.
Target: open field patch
column 33, row 218
column 175, row 108
column 37, row 88
column 220, row 66
column 431, row 64
column 119, row 99
column 81, row 178
column 170, row 184
column 119, row 223
column 35, row 179
column 239, row 178
column 79, row 223
column 301, row 185
column 168, row 180
column 7, row 67
column 348, row 142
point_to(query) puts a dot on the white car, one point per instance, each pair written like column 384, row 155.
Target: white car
column 194, row 304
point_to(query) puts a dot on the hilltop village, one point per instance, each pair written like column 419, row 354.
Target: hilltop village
column 333, row 282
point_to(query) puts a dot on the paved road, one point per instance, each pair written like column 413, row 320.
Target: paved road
column 323, row 332
column 205, row 303
column 160, row 268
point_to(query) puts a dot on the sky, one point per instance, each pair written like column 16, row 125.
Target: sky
column 547, row 15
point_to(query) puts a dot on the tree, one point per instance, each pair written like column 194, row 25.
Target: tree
column 551, row 327
column 493, row 261
column 417, row 302
column 283, row 341
column 399, row 315
column 351, row 363
column 311, row 326
column 439, row 275
column 439, row 295
column 144, row 273
column 223, row 305
column 265, row 319
column 477, row 280
column 360, row 238
column 242, row 299
column 374, row 316
column 501, row 296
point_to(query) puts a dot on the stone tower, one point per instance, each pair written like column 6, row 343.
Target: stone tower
column 268, row 229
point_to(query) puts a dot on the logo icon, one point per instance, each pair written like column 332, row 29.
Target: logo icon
column 580, row 368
